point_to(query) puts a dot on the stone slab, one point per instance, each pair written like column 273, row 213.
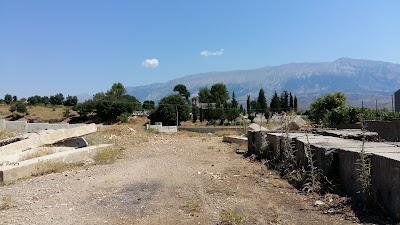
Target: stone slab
column 46, row 139
column 27, row 168
column 20, row 156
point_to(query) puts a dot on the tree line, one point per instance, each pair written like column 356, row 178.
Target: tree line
column 20, row 105
column 331, row 109
column 217, row 106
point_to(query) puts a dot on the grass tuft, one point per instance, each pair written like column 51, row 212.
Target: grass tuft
column 107, row 155
column 42, row 152
column 228, row 217
column 43, row 168
column 6, row 203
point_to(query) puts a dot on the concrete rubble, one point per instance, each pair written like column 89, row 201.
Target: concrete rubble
column 338, row 157
column 22, row 156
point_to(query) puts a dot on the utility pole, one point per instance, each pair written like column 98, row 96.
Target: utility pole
column 177, row 116
column 392, row 104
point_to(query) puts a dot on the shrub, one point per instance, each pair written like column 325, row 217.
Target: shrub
column 123, row 118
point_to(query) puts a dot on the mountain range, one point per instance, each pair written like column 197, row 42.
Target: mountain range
column 363, row 81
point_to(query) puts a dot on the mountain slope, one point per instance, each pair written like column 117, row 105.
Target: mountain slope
column 360, row 80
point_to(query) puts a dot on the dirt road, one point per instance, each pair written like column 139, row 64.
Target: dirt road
column 168, row 180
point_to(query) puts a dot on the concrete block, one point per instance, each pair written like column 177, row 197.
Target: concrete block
column 235, row 139
column 274, row 141
column 348, row 172
column 19, row 126
column 386, row 181
column 34, row 127
column 46, row 139
column 2, row 124
column 27, row 168
column 257, row 143
column 58, row 126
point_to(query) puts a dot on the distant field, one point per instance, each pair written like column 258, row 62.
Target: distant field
column 40, row 113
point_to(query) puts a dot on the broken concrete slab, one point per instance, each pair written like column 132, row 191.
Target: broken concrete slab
column 355, row 134
column 235, row 139
column 45, row 139
column 10, row 140
column 27, row 168
column 41, row 151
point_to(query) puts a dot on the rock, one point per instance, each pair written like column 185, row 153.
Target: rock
column 257, row 127
column 318, row 203
column 296, row 123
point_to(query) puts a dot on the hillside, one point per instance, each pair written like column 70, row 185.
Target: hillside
column 361, row 80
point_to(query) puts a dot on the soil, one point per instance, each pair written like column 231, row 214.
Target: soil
column 170, row 179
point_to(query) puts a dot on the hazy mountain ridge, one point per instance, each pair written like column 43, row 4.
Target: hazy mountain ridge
column 361, row 80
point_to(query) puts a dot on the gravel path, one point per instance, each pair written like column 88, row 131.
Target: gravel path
column 167, row 180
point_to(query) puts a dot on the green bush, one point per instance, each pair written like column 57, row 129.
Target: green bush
column 123, row 118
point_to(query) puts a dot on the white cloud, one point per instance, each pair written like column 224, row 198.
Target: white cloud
column 150, row 63
column 208, row 53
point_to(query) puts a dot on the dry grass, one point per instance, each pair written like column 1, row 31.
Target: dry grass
column 119, row 135
column 6, row 203
column 221, row 133
column 43, row 168
column 107, row 155
column 194, row 204
column 190, row 134
column 5, row 134
column 40, row 113
column 37, row 153
column 228, row 217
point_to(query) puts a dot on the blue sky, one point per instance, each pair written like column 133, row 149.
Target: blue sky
column 74, row 46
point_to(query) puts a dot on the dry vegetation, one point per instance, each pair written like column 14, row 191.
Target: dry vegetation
column 40, row 114
column 5, row 134
column 38, row 153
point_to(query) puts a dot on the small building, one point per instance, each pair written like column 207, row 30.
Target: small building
column 196, row 102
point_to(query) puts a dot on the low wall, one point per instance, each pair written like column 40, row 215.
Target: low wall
column 25, row 127
column 339, row 157
column 211, row 129
column 163, row 129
